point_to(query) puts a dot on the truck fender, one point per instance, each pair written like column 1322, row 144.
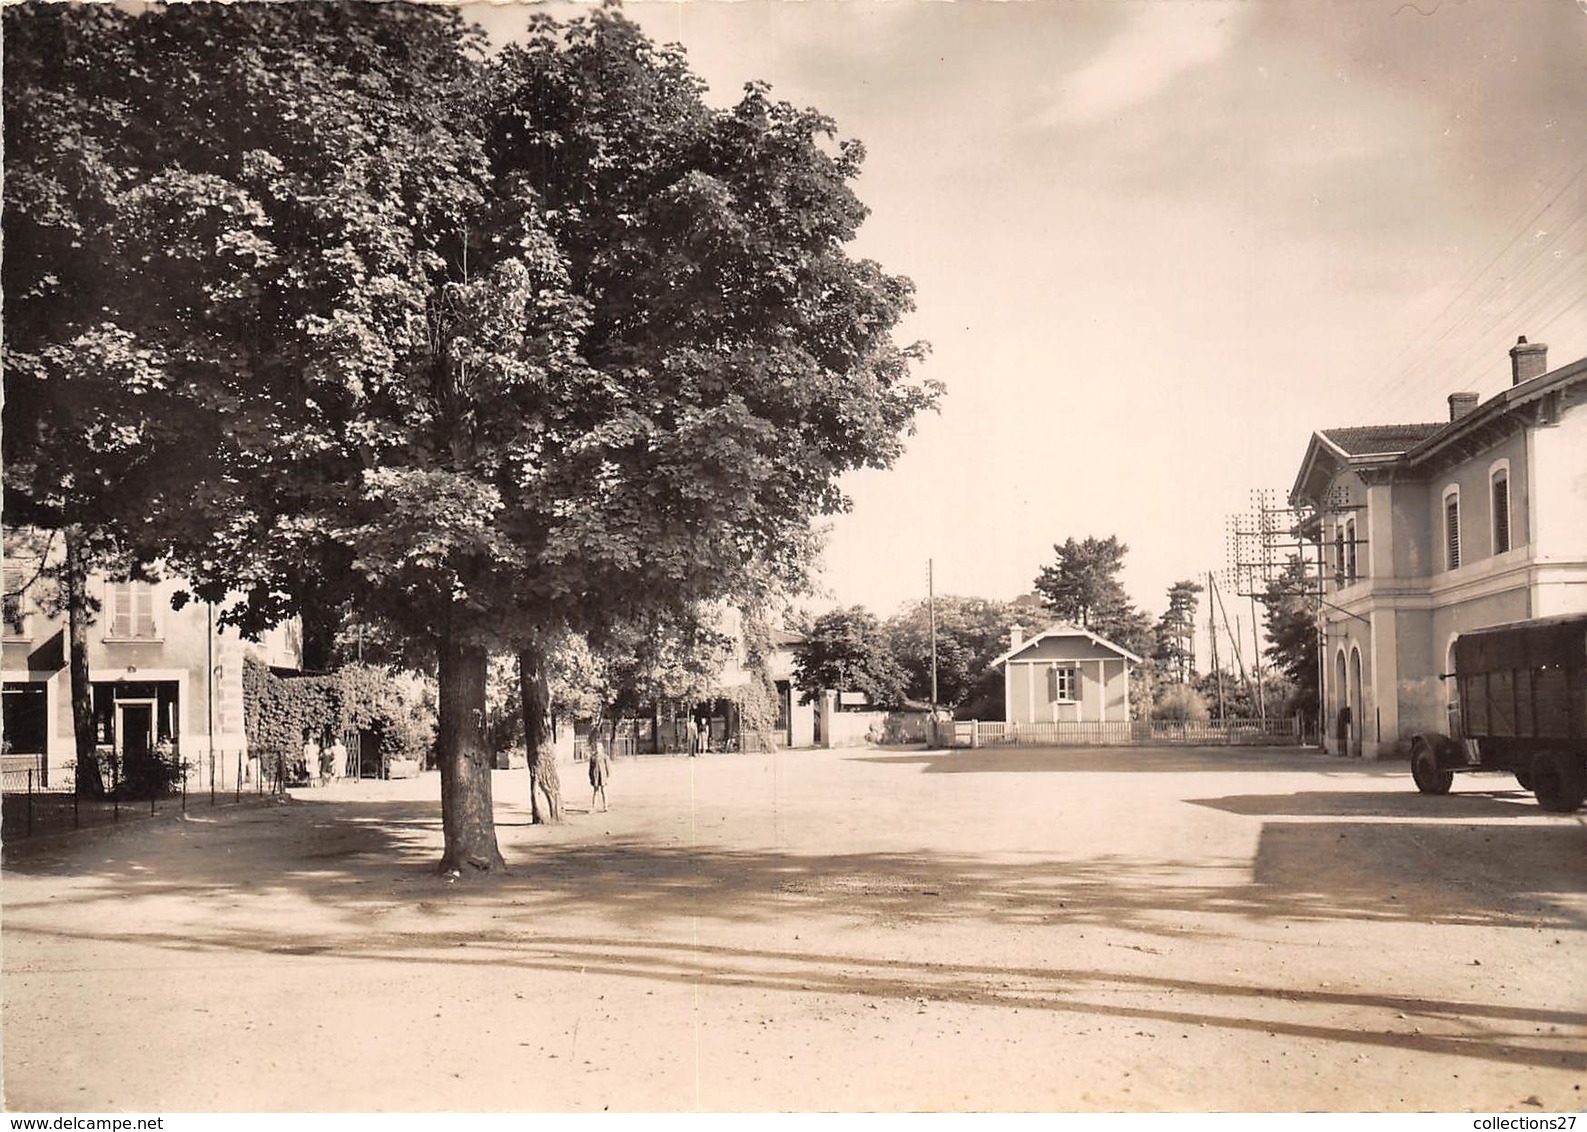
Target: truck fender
column 1449, row 754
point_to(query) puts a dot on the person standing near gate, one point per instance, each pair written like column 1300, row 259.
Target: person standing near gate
column 338, row 758
column 311, row 758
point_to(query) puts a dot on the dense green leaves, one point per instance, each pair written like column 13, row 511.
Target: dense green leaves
column 1082, row 587
column 1175, row 649
column 334, row 313
column 971, row 633
column 847, row 650
column 1292, row 634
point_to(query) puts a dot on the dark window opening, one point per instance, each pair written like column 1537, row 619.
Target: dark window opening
column 1501, row 512
column 26, row 719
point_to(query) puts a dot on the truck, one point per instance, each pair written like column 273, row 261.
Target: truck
column 1520, row 706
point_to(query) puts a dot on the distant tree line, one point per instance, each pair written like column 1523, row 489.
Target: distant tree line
column 851, row 649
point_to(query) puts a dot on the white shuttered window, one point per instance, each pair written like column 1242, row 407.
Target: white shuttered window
column 131, row 612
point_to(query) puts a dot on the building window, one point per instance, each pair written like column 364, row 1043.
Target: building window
column 1339, row 555
column 15, row 621
column 131, row 612
column 1452, row 530
column 1350, row 552
column 1501, row 510
column 1061, row 685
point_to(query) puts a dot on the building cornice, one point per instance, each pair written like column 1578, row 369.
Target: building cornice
column 1425, row 593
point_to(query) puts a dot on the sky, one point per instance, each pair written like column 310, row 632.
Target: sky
column 1157, row 243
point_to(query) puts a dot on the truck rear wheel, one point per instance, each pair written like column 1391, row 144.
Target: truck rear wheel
column 1560, row 781
column 1424, row 769
column 1523, row 779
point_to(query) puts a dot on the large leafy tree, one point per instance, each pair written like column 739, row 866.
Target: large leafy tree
column 521, row 348
column 1082, row 586
column 120, row 276
column 288, row 263
column 847, row 650
column 745, row 360
column 971, row 633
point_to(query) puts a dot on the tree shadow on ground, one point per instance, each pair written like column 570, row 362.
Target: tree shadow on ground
column 1432, row 873
column 363, row 859
column 1131, row 760
column 1378, row 804
column 1505, row 1034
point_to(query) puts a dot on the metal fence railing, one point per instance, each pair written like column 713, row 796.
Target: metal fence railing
column 38, row 797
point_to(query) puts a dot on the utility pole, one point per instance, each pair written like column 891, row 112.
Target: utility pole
column 1212, row 635
column 931, row 605
column 1256, row 645
column 209, row 685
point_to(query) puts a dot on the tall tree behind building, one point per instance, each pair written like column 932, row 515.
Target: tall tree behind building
column 1082, row 586
column 971, row 632
column 1291, row 617
column 1175, row 653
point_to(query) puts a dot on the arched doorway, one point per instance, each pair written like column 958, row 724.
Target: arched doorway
column 1357, row 702
column 1341, row 706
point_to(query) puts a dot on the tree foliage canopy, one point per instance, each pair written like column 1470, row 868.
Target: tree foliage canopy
column 971, row 633
column 847, row 650
column 488, row 348
column 1292, row 634
column 1082, row 586
column 1175, row 648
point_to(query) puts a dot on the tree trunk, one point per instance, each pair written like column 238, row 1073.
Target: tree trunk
column 544, row 782
column 467, row 813
column 320, row 621
column 79, row 615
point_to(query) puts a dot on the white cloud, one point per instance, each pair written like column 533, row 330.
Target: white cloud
column 1161, row 40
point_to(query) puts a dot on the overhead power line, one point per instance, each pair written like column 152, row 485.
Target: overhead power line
column 1483, row 286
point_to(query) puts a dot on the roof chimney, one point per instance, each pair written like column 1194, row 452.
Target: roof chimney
column 1016, row 636
column 1527, row 360
column 1460, row 404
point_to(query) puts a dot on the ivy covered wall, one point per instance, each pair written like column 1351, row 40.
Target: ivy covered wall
column 279, row 708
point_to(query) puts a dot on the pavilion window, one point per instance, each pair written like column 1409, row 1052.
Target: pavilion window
column 1501, row 511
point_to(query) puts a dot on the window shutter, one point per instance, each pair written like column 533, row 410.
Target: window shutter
column 121, row 609
column 1452, row 530
column 1054, row 687
column 13, row 600
column 143, row 599
column 1501, row 513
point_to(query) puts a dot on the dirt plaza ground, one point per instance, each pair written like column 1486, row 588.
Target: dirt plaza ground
column 1030, row 929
